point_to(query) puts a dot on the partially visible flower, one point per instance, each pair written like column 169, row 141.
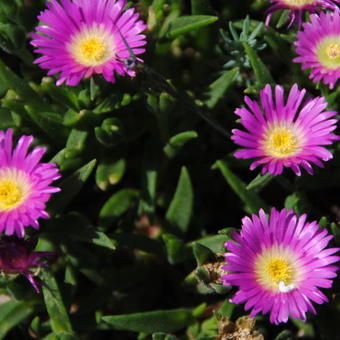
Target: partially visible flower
column 279, row 263
column 283, row 134
column 24, row 184
column 318, row 47
column 17, row 257
column 83, row 37
column 297, row 7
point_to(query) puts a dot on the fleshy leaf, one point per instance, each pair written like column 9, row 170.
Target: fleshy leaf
column 149, row 322
column 188, row 23
column 12, row 313
column 179, row 212
column 70, row 187
column 117, row 205
column 54, row 304
column 262, row 73
column 176, row 142
column 251, row 199
column 220, row 86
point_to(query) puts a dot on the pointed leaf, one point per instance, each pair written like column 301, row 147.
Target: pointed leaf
column 117, row 205
column 175, row 248
column 262, row 74
column 215, row 242
column 77, row 140
column 284, row 335
column 149, row 322
column 48, row 122
column 188, row 23
column 251, row 199
column 19, row 85
column 202, row 253
column 180, row 208
column 104, row 241
column 12, row 313
column 220, row 86
column 260, row 181
column 54, row 304
column 227, row 308
column 70, row 187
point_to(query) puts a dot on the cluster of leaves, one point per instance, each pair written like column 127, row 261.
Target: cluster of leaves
column 150, row 189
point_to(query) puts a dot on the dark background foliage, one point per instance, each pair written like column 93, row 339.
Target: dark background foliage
column 150, row 189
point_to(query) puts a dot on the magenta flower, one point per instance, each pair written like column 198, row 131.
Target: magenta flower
column 24, row 184
column 283, row 134
column 297, row 7
column 17, row 257
column 279, row 263
column 83, row 37
column 318, row 47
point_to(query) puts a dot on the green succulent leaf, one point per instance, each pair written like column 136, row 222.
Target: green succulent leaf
column 70, row 187
column 117, row 205
column 262, row 73
column 185, row 24
column 60, row 336
column 260, row 181
column 54, row 304
column 179, row 212
column 221, row 86
column 110, row 172
column 251, row 199
column 177, row 142
column 12, row 313
column 150, row 322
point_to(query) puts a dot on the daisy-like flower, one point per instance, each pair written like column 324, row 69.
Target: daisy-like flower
column 17, row 257
column 318, row 47
column 279, row 263
column 297, row 7
column 283, row 134
column 24, row 184
column 83, row 37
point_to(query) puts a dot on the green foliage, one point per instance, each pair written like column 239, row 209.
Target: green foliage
column 180, row 208
column 184, row 24
column 139, row 226
column 252, row 201
column 71, row 186
column 149, row 322
column 12, row 313
column 54, row 304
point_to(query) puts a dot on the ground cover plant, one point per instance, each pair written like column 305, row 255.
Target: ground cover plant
column 169, row 169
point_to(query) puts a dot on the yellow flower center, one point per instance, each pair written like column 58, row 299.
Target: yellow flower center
column 298, row 3
column 277, row 270
column 93, row 49
column 328, row 52
column 333, row 51
column 10, row 194
column 14, row 188
column 280, row 142
column 92, row 46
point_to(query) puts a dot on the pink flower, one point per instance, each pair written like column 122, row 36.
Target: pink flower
column 24, row 184
column 297, row 7
column 279, row 263
column 17, row 257
column 318, row 47
column 83, row 37
column 285, row 134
